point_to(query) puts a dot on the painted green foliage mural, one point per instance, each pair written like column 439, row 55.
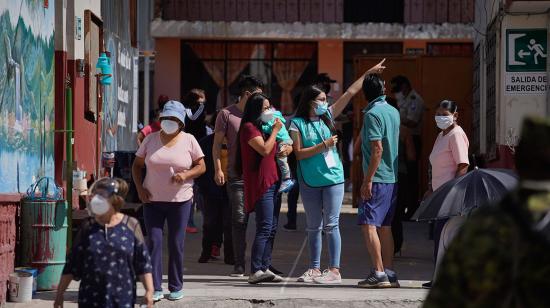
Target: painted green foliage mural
column 26, row 92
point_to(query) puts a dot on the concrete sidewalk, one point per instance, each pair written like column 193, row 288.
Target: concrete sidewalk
column 207, row 285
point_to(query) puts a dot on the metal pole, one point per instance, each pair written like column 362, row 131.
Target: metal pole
column 146, row 83
column 547, row 64
column 97, row 132
column 69, row 156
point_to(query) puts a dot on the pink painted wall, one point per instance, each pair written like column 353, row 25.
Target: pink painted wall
column 167, row 69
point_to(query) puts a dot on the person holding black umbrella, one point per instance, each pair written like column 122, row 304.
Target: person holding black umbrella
column 501, row 256
column 449, row 158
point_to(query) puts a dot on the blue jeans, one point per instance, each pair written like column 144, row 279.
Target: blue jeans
column 266, row 227
column 322, row 206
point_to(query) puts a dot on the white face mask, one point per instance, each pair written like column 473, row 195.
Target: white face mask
column 399, row 96
column 267, row 116
column 99, row 205
column 444, row 122
column 170, row 127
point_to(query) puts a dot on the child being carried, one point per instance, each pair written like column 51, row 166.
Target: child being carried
column 282, row 138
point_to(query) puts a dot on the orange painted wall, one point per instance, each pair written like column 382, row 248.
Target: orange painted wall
column 167, row 68
column 331, row 61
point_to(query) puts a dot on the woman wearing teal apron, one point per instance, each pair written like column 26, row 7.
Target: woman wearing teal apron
column 321, row 175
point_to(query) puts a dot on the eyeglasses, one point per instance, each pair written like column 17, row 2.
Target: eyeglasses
column 109, row 185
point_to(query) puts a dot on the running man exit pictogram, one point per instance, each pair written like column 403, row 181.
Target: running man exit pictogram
column 527, row 50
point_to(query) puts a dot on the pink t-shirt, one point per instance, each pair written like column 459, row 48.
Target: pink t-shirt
column 448, row 152
column 159, row 159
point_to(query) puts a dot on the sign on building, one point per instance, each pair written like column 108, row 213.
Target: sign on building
column 526, row 58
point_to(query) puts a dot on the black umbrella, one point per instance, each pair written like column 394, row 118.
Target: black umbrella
column 460, row 196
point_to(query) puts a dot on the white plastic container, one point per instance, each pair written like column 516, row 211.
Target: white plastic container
column 21, row 287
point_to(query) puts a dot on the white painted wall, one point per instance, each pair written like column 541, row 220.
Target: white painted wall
column 513, row 109
column 76, row 8
column 60, row 25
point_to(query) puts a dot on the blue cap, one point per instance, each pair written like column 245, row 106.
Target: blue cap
column 174, row 109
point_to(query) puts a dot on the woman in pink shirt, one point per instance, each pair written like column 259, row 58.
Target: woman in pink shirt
column 449, row 158
column 173, row 159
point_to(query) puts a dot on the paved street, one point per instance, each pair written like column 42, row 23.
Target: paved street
column 207, row 285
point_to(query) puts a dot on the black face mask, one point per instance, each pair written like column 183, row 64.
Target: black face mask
column 195, row 112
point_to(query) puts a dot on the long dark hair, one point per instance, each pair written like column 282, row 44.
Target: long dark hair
column 306, row 99
column 252, row 114
column 449, row 105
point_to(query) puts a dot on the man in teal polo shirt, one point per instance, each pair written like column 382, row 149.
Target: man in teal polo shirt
column 380, row 139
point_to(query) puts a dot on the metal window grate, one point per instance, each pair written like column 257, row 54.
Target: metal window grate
column 476, row 101
column 491, row 108
column 197, row 55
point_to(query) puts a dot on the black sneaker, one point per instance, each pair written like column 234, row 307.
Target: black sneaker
column 289, row 228
column 275, row 271
column 375, row 282
column 204, row 258
column 392, row 277
column 427, row 285
column 229, row 261
column 238, row 271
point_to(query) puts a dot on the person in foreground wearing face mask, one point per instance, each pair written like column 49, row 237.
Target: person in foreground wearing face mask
column 321, row 175
column 448, row 160
column 173, row 159
column 108, row 254
column 501, row 256
column 283, row 140
column 256, row 162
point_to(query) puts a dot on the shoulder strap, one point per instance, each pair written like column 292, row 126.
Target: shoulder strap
column 133, row 225
column 130, row 222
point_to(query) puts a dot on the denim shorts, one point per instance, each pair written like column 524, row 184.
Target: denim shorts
column 380, row 209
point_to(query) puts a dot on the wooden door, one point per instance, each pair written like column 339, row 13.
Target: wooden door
column 444, row 78
column 435, row 79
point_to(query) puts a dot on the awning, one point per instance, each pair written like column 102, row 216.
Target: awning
column 310, row 31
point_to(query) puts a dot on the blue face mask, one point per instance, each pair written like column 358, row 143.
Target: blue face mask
column 320, row 108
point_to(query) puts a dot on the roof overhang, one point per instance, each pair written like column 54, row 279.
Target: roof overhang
column 528, row 7
column 307, row 31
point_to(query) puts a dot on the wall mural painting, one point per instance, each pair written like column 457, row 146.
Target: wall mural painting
column 26, row 93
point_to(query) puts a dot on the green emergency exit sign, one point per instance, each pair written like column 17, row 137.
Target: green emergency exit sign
column 526, row 50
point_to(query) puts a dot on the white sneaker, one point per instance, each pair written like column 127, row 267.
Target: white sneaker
column 309, row 275
column 260, row 276
column 328, row 277
column 276, row 278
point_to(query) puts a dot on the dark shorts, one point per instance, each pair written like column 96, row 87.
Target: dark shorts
column 380, row 209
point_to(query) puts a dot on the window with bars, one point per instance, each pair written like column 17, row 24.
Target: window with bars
column 215, row 66
column 491, row 105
